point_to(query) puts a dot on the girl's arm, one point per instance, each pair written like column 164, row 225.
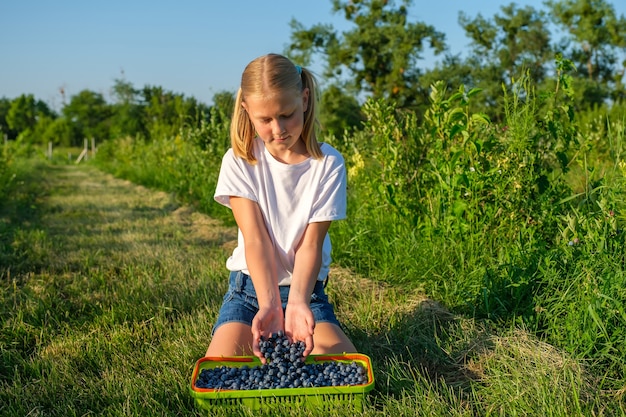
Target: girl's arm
column 261, row 265
column 299, row 321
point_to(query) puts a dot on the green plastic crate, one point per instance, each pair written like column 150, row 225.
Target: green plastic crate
column 322, row 397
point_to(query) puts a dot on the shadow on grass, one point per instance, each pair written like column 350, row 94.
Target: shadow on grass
column 423, row 347
column 417, row 346
column 20, row 213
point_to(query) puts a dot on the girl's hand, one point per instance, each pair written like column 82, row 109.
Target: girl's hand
column 268, row 321
column 300, row 324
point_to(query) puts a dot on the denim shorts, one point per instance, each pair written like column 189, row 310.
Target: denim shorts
column 241, row 305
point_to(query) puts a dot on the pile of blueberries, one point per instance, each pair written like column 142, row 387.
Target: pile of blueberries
column 284, row 368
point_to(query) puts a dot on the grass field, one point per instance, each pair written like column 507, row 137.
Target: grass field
column 109, row 290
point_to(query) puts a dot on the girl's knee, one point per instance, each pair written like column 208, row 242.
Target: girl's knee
column 329, row 338
column 231, row 339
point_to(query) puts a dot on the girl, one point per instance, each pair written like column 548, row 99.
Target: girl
column 284, row 189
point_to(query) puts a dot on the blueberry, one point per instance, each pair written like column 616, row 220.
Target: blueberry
column 285, row 368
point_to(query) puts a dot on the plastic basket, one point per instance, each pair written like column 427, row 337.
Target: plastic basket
column 320, row 397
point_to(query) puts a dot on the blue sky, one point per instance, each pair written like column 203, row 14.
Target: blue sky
column 194, row 47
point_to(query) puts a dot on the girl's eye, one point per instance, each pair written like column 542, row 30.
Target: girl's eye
column 284, row 116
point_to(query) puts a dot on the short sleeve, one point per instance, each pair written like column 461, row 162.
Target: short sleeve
column 234, row 180
column 331, row 200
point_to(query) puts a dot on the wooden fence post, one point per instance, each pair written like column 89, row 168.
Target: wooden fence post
column 83, row 154
column 50, row 150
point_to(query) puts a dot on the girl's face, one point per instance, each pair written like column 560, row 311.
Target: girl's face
column 279, row 121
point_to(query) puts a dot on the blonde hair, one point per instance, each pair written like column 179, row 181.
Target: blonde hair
column 264, row 77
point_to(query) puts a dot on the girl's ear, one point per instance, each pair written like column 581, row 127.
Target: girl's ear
column 305, row 99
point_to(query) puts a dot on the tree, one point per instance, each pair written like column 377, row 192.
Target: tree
column 339, row 111
column 58, row 131
column 381, row 53
column 505, row 48
column 24, row 115
column 25, row 111
column 127, row 113
column 5, row 106
column 89, row 114
column 595, row 35
column 165, row 112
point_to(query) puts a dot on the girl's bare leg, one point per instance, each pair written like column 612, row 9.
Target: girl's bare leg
column 329, row 338
column 231, row 339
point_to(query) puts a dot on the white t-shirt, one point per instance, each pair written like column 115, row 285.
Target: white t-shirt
column 289, row 196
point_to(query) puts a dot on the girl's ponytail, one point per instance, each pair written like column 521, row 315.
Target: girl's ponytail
column 242, row 131
column 311, row 124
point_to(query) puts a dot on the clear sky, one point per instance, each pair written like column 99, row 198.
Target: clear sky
column 193, row 47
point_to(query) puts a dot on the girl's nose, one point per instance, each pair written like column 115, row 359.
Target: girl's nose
column 278, row 128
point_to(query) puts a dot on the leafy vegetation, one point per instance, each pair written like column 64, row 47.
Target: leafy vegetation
column 380, row 55
column 481, row 266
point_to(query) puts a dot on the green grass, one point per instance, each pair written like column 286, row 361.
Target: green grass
column 108, row 292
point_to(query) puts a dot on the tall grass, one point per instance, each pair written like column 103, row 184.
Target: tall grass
column 7, row 168
column 486, row 219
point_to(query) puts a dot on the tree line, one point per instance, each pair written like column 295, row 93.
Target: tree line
column 378, row 57
column 147, row 112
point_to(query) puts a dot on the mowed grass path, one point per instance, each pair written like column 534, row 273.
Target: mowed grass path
column 108, row 298
column 109, row 291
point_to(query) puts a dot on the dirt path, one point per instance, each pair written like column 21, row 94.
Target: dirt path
column 92, row 216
